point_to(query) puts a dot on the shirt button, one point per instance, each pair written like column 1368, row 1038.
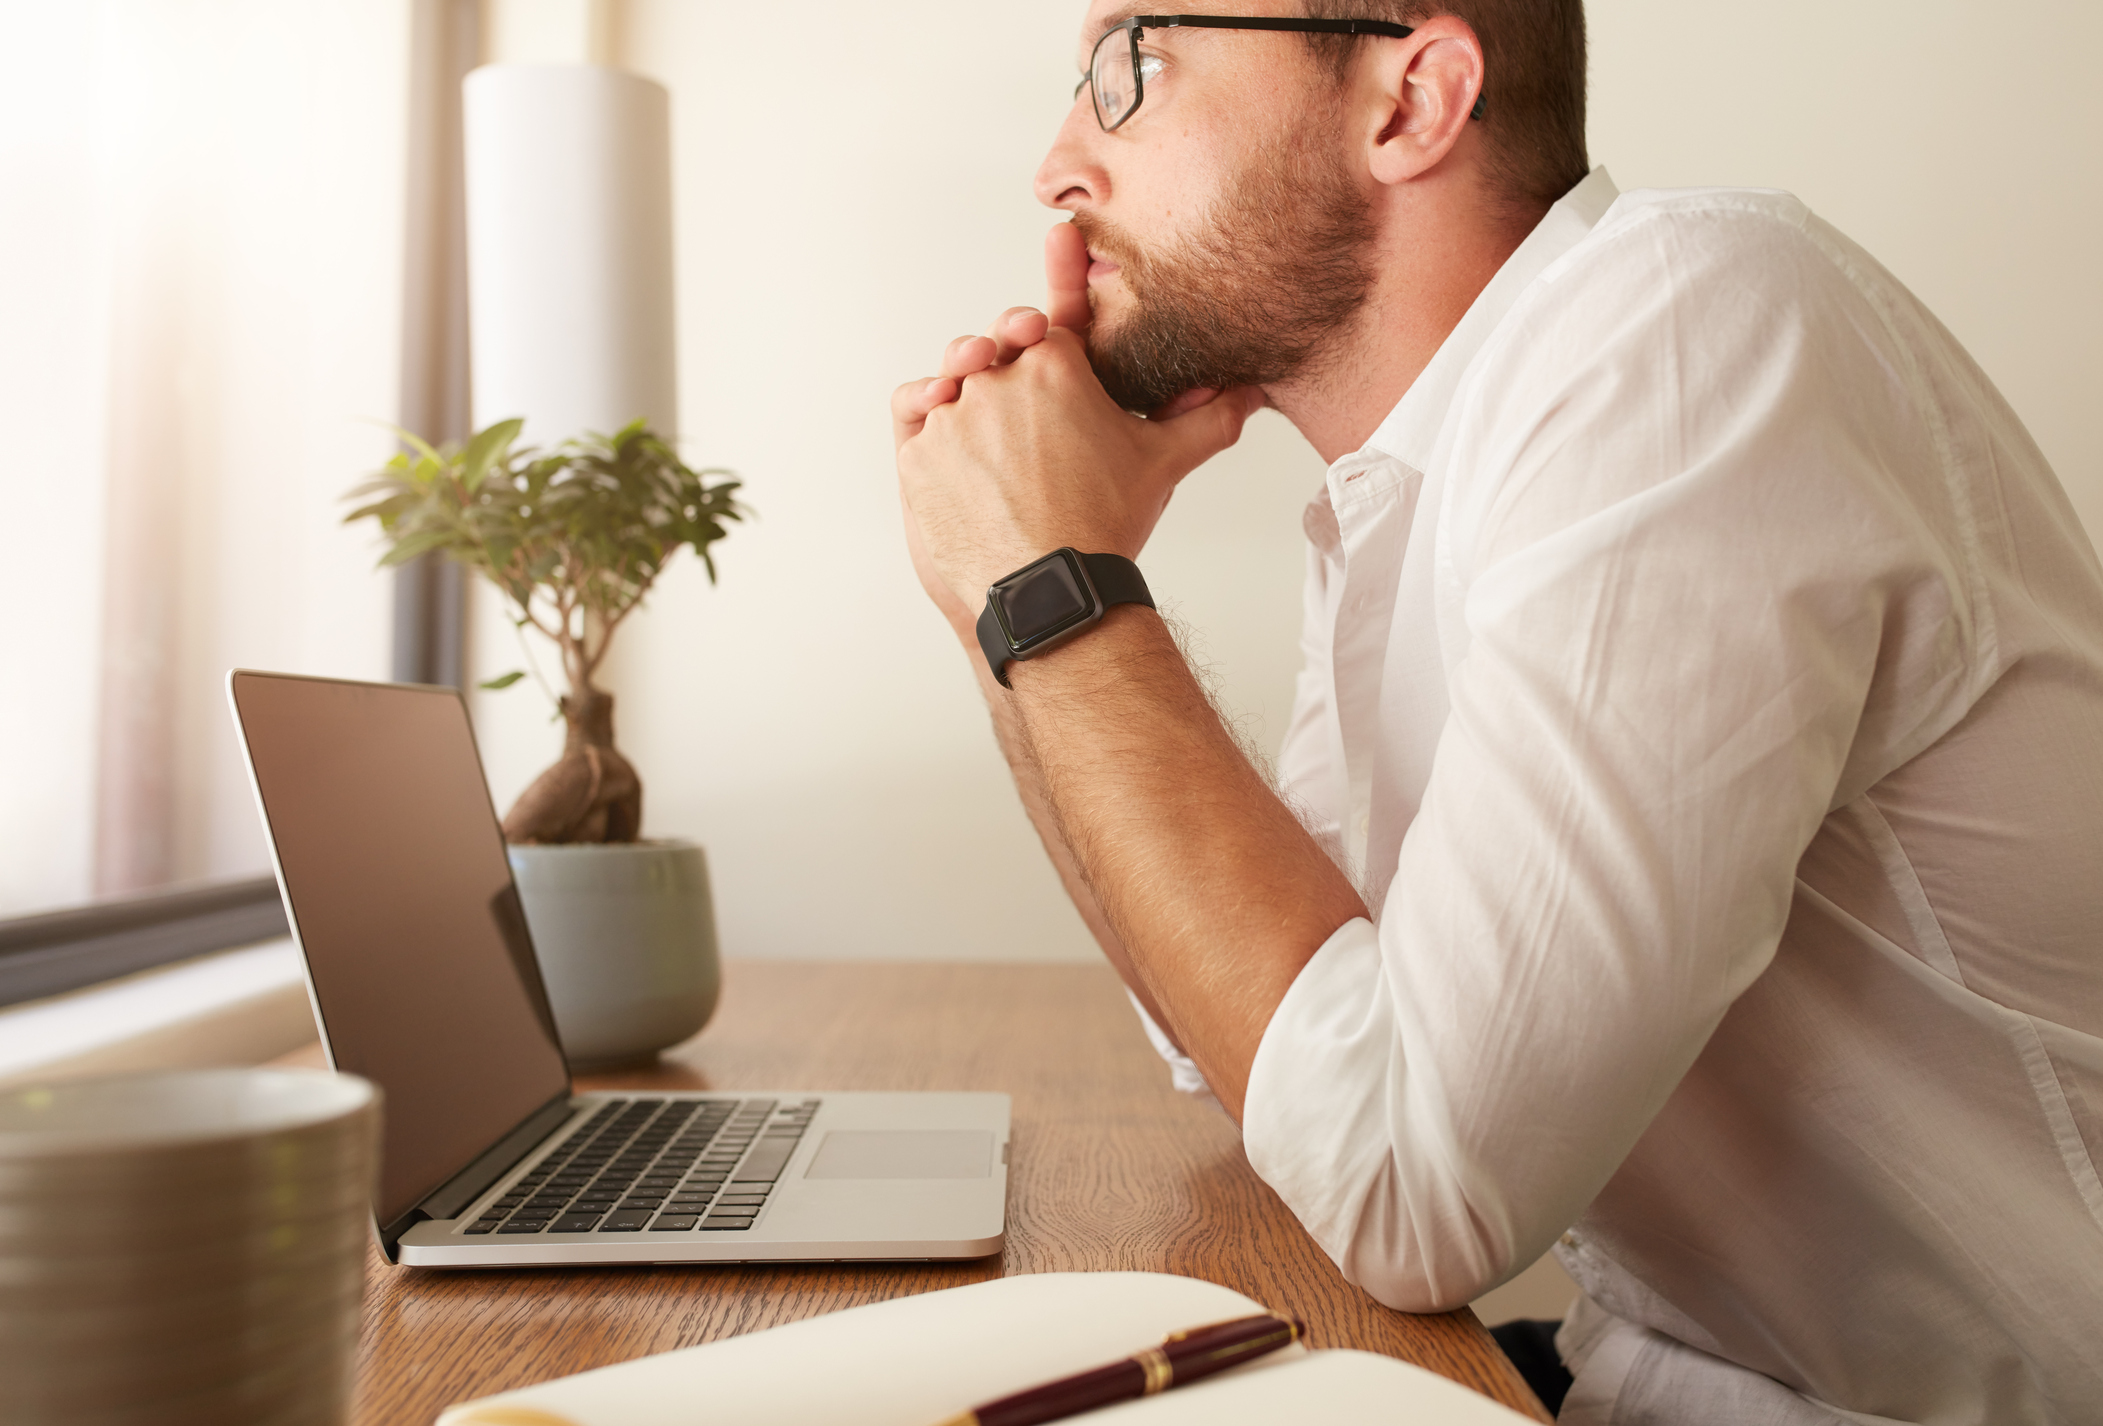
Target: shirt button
column 1569, row 1240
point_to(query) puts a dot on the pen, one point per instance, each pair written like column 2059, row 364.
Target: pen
column 1182, row 1358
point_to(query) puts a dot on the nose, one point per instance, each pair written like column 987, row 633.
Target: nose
column 1072, row 176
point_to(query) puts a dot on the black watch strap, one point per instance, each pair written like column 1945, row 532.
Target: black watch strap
column 1117, row 581
column 994, row 645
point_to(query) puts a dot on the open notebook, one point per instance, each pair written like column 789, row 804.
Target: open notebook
column 918, row 1360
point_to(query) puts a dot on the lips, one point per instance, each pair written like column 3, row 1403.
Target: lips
column 1099, row 265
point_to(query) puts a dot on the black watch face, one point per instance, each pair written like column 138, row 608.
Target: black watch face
column 1042, row 601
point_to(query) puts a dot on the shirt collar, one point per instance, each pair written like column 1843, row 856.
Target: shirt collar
column 1411, row 430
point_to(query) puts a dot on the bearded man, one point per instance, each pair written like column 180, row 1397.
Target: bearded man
column 1683, row 848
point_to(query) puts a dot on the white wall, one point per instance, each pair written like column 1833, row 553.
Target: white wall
column 853, row 190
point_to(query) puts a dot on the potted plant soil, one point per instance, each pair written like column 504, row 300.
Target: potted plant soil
column 574, row 537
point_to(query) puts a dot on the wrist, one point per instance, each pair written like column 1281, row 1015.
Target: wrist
column 1052, row 601
column 1127, row 636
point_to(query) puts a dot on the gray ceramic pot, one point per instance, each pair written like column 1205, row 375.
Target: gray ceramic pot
column 626, row 937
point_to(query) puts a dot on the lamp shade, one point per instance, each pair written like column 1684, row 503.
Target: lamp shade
column 569, row 249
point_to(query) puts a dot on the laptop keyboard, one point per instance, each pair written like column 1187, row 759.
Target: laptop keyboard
column 656, row 1165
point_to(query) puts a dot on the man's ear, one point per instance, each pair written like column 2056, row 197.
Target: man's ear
column 1423, row 88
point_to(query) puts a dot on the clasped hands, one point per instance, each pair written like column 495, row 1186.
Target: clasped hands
column 1014, row 449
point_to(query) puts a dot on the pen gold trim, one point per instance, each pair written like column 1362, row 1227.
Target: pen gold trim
column 1160, row 1376
column 1180, row 1358
column 502, row 1415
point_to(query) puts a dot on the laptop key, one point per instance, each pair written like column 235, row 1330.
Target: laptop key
column 575, row 1223
column 718, row 1224
column 765, row 1162
column 626, row 1220
column 674, row 1222
column 514, row 1226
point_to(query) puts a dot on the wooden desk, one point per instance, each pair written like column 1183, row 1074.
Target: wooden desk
column 1111, row 1169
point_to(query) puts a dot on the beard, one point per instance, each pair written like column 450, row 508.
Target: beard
column 1278, row 270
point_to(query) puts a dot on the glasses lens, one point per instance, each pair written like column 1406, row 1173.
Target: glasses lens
column 1116, row 86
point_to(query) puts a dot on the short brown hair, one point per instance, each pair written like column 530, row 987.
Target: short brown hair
column 1533, row 84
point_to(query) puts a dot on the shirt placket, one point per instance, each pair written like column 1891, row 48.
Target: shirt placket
column 1374, row 499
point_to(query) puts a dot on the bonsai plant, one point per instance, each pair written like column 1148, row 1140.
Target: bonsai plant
column 574, row 538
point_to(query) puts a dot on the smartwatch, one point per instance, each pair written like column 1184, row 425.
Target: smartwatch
column 1051, row 600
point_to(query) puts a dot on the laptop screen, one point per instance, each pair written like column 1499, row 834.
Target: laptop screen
column 401, row 895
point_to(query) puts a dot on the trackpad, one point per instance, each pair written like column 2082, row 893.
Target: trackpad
column 903, row 1153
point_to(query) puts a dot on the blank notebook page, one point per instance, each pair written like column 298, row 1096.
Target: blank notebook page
column 918, row 1360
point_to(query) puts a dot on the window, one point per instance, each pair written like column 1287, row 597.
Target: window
column 202, row 276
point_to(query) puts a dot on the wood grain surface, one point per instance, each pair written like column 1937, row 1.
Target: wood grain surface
column 1111, row 1169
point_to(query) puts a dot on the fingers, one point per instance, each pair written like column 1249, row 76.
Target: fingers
column 911, row 402
column 966, row 355
column 1066, row 278
column 1188, row 431
column 1012, row 333
column 1188, row 401
column 1201, row 432
column 1015, row 330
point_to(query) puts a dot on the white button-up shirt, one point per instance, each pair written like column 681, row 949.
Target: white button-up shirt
column 1704, row 680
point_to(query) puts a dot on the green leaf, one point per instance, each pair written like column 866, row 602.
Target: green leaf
column 489, row 443
column 502, row 680
column 415, row 443
column 418, row 544
column 582, row 529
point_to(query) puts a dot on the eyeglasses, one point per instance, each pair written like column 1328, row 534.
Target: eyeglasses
column 1117, row 71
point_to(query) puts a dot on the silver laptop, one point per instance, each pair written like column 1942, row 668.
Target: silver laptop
column 423, row 980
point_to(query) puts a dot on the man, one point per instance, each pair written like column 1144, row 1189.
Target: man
column 1686, row 829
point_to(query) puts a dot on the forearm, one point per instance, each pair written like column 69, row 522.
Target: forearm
column 1029, row 786
column 1034, row 455
column 1205, row 880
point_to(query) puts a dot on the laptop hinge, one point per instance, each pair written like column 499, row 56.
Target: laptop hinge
column 490, row 1165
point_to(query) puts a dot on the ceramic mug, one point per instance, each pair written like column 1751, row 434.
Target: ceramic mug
column 184, row 1247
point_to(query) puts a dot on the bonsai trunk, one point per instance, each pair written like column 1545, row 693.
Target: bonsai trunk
column 592, row 793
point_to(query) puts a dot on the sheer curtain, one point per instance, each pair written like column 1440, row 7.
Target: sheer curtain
column 200, row 315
